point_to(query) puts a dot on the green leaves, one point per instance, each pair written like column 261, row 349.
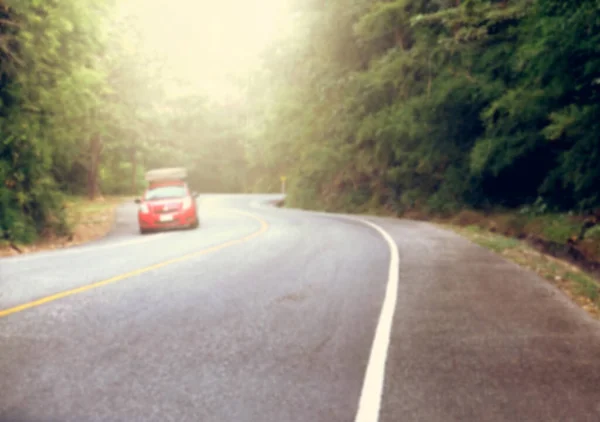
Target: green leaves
column 500, row 93
column 396, row 103
column 54, row 97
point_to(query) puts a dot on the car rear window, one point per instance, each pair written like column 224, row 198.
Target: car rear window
column 166, row 192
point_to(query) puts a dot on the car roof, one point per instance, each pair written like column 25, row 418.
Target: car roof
column 165, row 183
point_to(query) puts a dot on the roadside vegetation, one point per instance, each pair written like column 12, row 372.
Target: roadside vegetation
column 437, row 106
column 83, row 113
column 85, row 220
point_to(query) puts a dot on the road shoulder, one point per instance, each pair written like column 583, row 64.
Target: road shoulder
column 581, row 287
column 578, row 284
column 484, row 328
column 90, row 220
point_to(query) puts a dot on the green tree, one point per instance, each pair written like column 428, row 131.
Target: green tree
column 49, row 86
column 433, row 103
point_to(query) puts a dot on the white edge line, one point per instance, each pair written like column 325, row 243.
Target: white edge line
column 369, row 404
column 372, row 390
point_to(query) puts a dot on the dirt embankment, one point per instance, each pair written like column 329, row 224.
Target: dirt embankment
column 575, row 239
column 88, row 219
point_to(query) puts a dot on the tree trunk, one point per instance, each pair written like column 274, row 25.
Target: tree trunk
column 399, row 38
column 94, row 166
column 134, row 171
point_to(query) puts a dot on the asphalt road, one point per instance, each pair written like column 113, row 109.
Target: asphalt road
column 278, row 315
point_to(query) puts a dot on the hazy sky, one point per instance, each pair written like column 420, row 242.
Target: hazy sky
column 206, row 40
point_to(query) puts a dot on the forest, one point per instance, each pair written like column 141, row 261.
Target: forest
column 439, row 105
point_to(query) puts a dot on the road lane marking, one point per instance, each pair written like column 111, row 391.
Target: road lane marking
column 372, row 390
column 369, row 405
column 264, row 226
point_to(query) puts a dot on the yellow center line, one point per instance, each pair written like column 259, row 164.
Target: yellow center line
column 264, row 226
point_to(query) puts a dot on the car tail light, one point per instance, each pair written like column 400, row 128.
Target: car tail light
column 187, row 203
column 144, row 209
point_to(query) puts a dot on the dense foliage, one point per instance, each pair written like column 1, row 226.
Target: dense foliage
column 52, row 91
column 436, row 104
column 401, row 104
column 82, row 112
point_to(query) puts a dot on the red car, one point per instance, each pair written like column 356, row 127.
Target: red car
column 167, row 204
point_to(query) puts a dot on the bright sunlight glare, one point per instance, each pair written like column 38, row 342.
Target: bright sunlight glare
column 206, row 42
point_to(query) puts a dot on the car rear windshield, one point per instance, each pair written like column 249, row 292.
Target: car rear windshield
column 166, row 192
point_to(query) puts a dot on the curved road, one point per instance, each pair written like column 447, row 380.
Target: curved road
column 268, row 314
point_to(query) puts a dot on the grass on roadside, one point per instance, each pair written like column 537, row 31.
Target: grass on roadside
column 579, row 286
column 88, row 220
column 85, row 212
